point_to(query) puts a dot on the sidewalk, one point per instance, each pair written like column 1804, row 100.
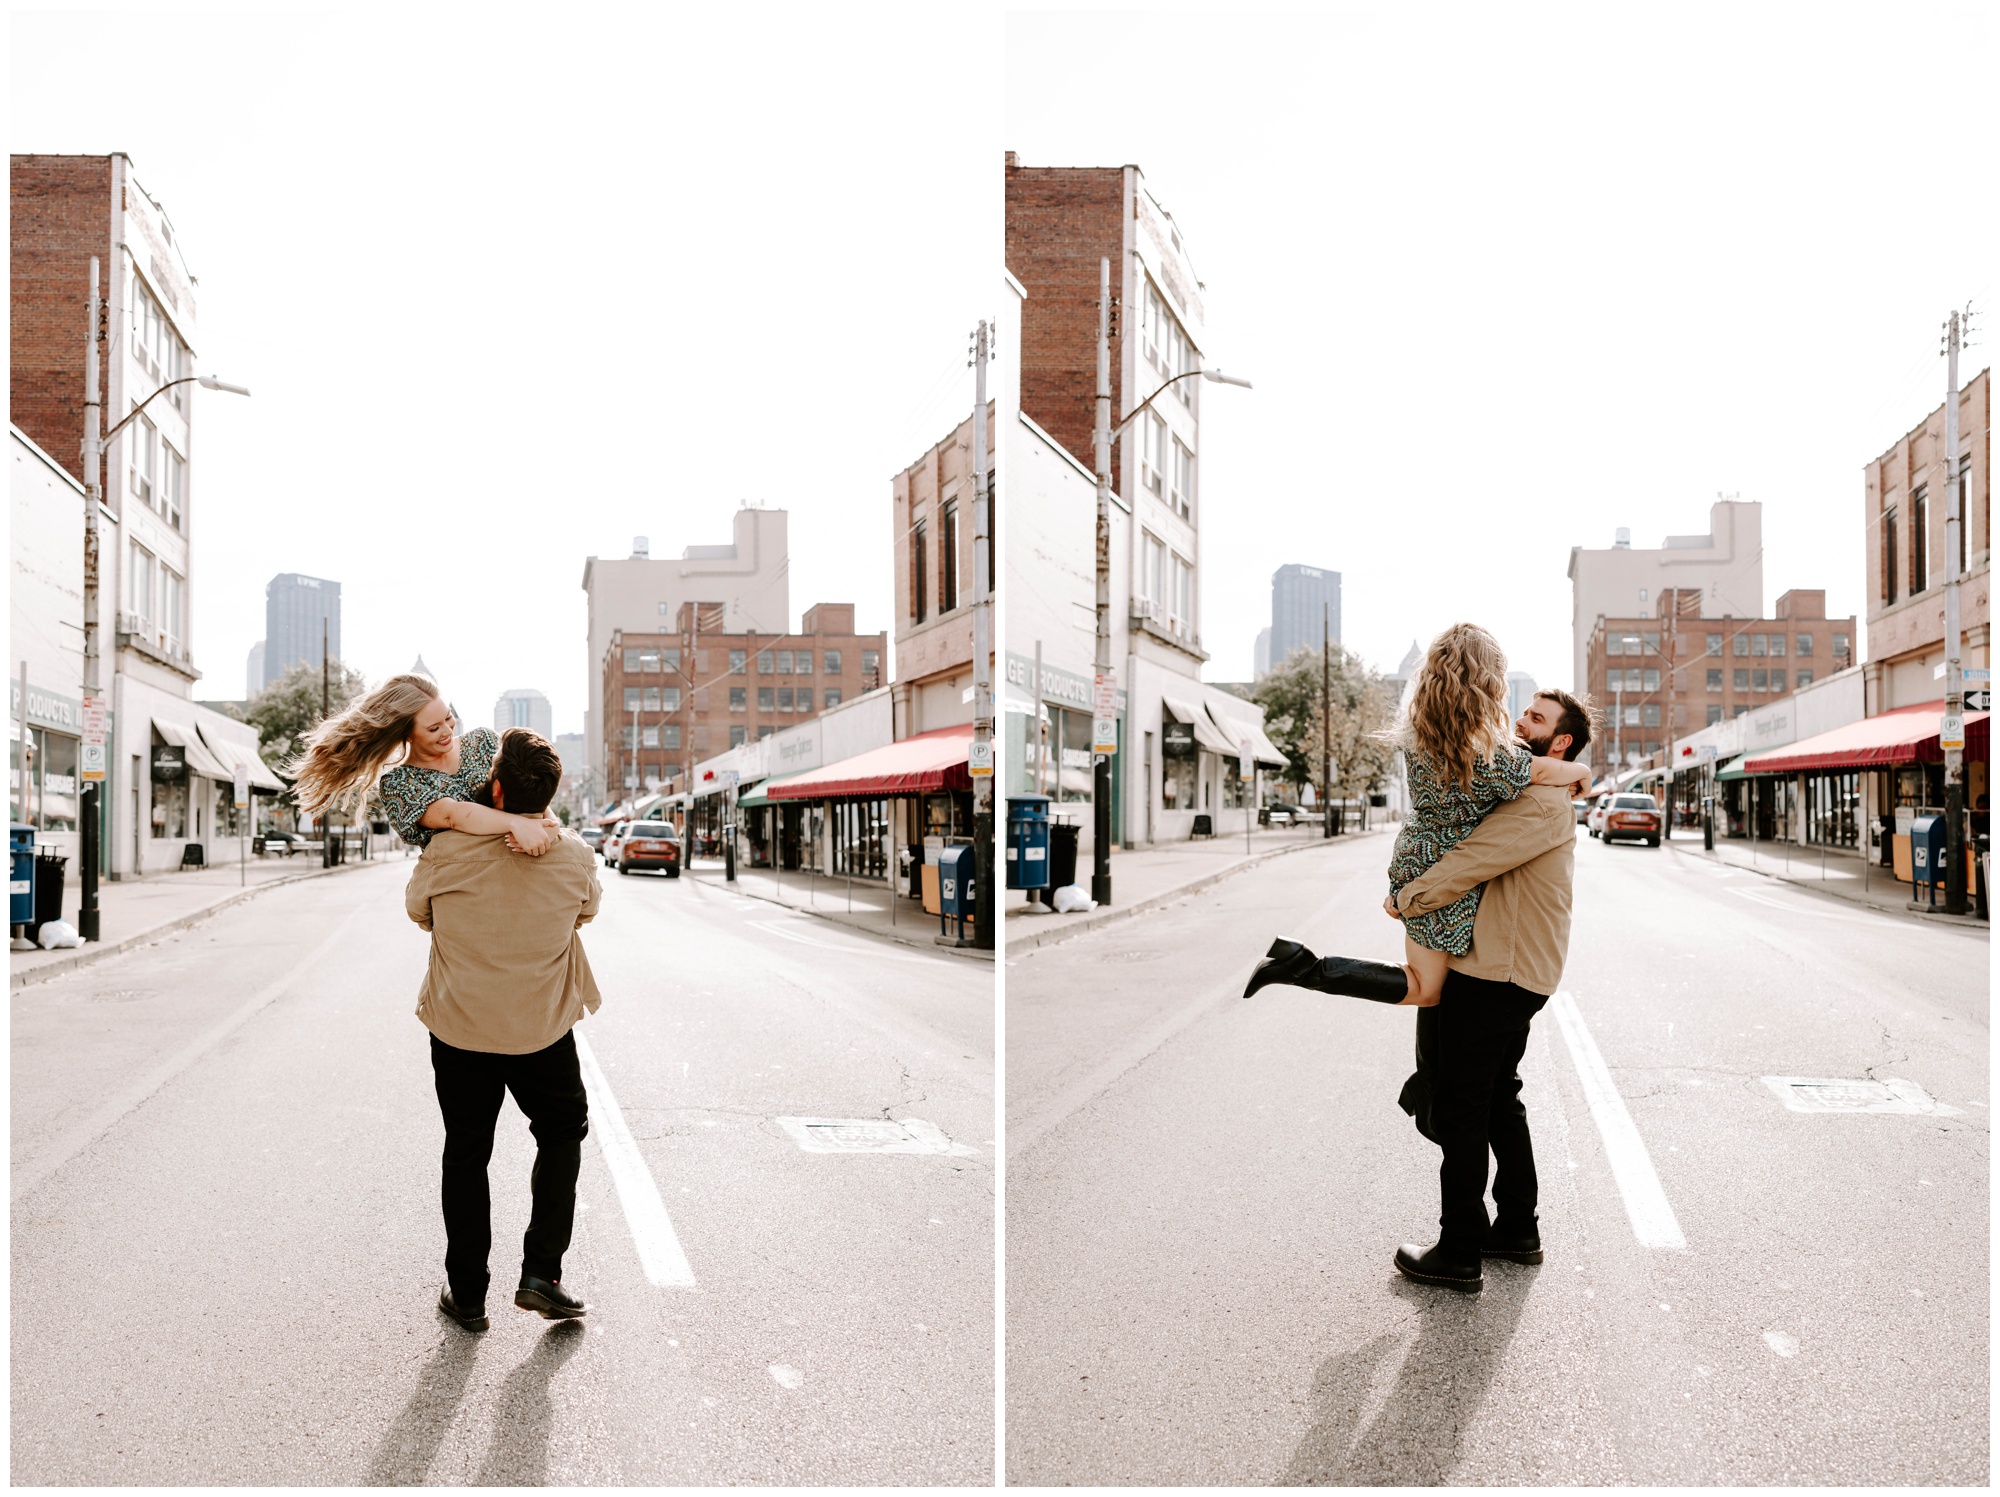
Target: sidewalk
column 1836, row 873
column 132, row 912
column 865, row 905
column 1147, row 878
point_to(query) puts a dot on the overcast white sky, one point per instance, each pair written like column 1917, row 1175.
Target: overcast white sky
column 1510, row 277
column 513, row 285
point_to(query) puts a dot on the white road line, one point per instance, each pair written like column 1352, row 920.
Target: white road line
column 660, row 1252
column 1653, row 1221
column 777, row 929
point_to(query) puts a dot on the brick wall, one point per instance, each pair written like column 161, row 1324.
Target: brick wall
column 59, row 216
column 1060, row 222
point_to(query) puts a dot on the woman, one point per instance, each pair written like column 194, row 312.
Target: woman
column 1462, row 761
column 435, row 778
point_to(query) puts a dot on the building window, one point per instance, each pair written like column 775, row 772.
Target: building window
column 764, row 730
column 663, row 610
column 1632, row 717
column 1889, row 554
column 173, row 485
column 784, row 699
column 739, row 662
column 1777, row 680
column 1757, row 644
column 805, row 699
column 1759, row 680
column 631, row 662
column 1715, row 644
column 1652, row 680
column 784, row 662
column 832, row 697
column 871, row 663
column 832, row 662
column 1778, row 644
column 1839, row 646
column 766, row 662
column 1715, row 680
column 1964, row 507
column 767, row 700
column 632, row 699
column 1740, row 679
column 948, row 558
column 1920, row 538
column 1650, row 715
column 802, row 661
column 737, row 734
column 1183, row 600
column 1614, row 644
column 739, row 699
column 1804, row 678
column 1153, row 571
column 1739, row 709
column 649, row 737
column 1714, row 713
column 1805, row 645
column 670, row 699
column 1183, row 481
column 670, row 658
column 670, row 736
column 628, row 737
column 919, row 552
column 142, row 448
column 1739, row 644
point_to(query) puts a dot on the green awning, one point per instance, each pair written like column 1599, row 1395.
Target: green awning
column 750, row 797
column 1733, row 770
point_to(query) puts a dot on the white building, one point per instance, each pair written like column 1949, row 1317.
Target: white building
column 524, row 707
column 1618, row 581
column 640, row 595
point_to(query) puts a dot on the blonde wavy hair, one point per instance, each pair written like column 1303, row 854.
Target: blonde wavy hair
column 1458, row 713
column 340, row 759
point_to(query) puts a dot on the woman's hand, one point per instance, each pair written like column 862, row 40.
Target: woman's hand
column 534, row 835
column 1389, row 908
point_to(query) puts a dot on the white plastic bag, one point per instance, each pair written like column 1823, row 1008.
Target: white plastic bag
column 1071, row 900
column 57, row 934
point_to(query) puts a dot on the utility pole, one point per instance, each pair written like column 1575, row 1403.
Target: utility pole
column 325, row 711
column 1326, row 720
column 1105, row 692
column 1952, row 736
column 983, row 911
column 91, row 810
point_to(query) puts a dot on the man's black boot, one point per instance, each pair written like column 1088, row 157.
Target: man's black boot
column 473, row 1317
column 548, row 1299
column 1432, row 1266
column 1289, row 962
column 1515, row 1247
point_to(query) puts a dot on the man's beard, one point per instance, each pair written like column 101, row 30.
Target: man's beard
column 1541, row 749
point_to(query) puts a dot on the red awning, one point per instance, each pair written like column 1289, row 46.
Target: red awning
column 929, row 761
column 1908, row 735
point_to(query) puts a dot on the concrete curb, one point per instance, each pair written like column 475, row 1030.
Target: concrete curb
column 968, row 952
column 83, row 956
column 1098, row 919
column 1814, row 886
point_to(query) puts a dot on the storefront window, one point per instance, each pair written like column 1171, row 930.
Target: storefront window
column 51, row 783
column 170, row 808
column 1235, row 794
column 1070, row 758
column 1178, row 763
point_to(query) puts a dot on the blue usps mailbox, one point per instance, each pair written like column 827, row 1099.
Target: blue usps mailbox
column 1927, row 857
column 1027, row 842
column 957, row 867
column 21, row 881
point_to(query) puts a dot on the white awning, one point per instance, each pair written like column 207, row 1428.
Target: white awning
column 199, row 759
column 232, row 753
column 1261, row 748
column 1205, row 731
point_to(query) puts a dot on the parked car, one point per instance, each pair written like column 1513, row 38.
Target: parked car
column 649, row 844
column 593, row 837
column 1582, row 809
column 1633, row 816
column 609, row 851
column 1280, row 813
column 284, row 843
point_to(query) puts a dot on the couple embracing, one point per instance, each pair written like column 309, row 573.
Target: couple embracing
column 1480, row 879
column 503, row 890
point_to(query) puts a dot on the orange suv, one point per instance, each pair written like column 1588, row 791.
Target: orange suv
column 1633, row 816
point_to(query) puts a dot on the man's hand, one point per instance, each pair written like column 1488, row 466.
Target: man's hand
column 1389, row 908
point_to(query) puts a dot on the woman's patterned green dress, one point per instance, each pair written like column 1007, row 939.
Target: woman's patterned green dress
column 1441, row 813
column 408, row 792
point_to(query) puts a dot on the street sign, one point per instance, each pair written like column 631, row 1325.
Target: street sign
column 1978, row 674
column 1979, row 701
column 1952, row 733
column 1708, row 753
column 979, row 764
column 242, row 787
column 1246, row 765
column 1104, row 715
column 93, row 762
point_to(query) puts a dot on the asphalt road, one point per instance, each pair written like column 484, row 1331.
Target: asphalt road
column 1204, row 1196
column 227, row 1246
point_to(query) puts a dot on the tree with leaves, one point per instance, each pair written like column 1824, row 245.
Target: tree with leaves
column 289, row 708
column 1364, row 704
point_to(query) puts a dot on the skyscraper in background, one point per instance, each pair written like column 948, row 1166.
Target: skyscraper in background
column 1303, row 600
column 253, row 671
column 296, row 609
column 1261, row 655
column 524, row 708
column 1520, row 692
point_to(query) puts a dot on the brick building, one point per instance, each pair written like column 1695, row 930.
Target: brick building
column 673, row 699
column 1677, row 672
column 932, row 506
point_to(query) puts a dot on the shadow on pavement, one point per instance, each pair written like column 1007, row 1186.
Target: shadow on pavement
column 524, row 1414
column 404, row 1457
column 1413, row 1440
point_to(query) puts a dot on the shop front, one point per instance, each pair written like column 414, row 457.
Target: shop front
column 42, row 762
column 869, row 815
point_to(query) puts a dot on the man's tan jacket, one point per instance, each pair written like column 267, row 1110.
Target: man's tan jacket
column 508, row 974
column 1525, row 854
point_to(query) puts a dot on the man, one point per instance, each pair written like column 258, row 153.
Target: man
column 507, row 980
column 1466, row 1093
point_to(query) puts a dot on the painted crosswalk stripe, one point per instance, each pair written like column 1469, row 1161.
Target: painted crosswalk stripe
column 660, row 1252
column 1653, row 1220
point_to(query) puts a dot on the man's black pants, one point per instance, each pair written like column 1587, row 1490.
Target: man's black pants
column 548, row 1087
column 1466, row 1099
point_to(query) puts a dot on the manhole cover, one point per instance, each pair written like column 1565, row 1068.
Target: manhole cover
column 870, row 1136
column 1809, row 1094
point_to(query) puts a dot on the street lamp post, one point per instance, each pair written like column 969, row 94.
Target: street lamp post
column 1104, row 696
column 93, row 768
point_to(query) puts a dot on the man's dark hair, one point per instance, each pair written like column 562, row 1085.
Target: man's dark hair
column 1574, row 719
column 528, row 769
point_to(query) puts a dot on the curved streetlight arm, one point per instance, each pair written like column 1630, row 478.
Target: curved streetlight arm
column 1215, row 375
column 206, row 381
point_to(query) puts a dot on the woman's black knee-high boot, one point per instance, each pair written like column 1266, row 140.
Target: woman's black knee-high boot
column 1289, row 962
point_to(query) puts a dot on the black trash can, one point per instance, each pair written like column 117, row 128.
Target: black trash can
column 1063, row 836
column 49, row 871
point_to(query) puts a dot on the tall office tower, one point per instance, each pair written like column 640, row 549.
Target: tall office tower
column 1303, row 599
column 301, row 614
